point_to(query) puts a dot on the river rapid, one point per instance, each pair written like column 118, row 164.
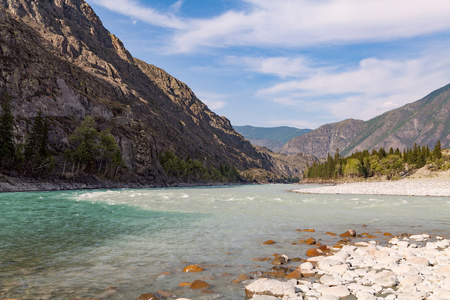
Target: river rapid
column 119, row 244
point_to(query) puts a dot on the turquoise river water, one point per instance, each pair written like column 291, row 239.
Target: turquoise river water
column 119, row 244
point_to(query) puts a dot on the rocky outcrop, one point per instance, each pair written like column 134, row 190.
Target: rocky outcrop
column 325, row 140
column 57, row 57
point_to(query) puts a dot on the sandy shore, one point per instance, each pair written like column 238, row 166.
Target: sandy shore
column 438, row 186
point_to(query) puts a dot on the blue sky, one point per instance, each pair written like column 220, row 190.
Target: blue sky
column 300, row 63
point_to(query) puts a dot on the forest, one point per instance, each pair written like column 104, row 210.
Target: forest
column 393, row 164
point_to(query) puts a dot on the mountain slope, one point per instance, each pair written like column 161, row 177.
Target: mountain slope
column 273, row 138
column 57, row 56
column 423, row 122
column 324, row 140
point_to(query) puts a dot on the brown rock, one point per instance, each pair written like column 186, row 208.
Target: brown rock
column 148, row 296
column 325, row 248
column 199, row 284
column 164, row 294
column 280, row 260
column 193, row 268
column 241, row 277
column 348, row 233
column 387, row 234
column 331, row 233
column 314, row 252
column 302, row 241
column 294, row 275
column 278, row 273
column 185, row 284
column 310, row 241
column 308, row 230
column 269, row 242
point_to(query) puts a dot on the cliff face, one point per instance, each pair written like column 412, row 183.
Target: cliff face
column 325, row 139
column 57, row 56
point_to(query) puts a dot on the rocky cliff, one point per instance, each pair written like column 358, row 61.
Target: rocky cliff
column 57, row 57
column 325, row 140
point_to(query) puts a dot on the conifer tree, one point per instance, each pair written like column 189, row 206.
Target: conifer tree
column 7, row 147
column 36, row 145
column 437, row 151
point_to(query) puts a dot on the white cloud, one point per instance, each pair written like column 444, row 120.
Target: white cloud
column 368, row 90
column 143, row 13
column 295, row 23
column 279, row 66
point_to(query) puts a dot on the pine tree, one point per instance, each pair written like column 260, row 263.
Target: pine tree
column 7, row 146
column 437, row 150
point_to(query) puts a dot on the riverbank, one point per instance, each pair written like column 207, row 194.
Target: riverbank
column 402, row 270
column 417, row 185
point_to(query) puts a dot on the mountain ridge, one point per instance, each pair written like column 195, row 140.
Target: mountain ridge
column 424, row 122
column 57, row 57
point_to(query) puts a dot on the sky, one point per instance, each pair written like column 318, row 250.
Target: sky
column 299, row 63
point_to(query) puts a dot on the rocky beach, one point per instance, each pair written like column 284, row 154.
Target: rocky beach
column 414, row 267
column 418, row 185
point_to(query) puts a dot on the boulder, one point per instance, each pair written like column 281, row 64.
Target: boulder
column 266, row 286
column 269, row 242
column 314, row 252
column 193, row 268
column 199, row 284
column 349, row 233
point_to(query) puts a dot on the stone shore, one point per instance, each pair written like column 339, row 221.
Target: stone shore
column 438, row 187
column 413, row 268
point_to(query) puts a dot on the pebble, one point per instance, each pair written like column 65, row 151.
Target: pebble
column 402, row 270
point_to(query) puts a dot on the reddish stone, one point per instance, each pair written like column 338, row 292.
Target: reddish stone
column 314, row 252
column 241, row 277
column 348, row 233
column 185, row 284
column 199, row 284
column 325, row 248
column 278, row 273
column 387, row 234
column 294, row 275
column 193, row 268
column 308, row 230
column 310, row 241
column 269, row 242
column 148, row 296
column 331, row 233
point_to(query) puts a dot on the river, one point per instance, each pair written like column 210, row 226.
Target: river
column 119, row 244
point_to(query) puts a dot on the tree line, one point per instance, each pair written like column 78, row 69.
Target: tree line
column 363, row 164
column 194, row 170
column 89, row 150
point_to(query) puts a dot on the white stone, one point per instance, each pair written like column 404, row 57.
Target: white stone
column 339, row 291
column 362, row 295
column 328, row 297
column 421, row 261
column 393, row 241
column 330, row 280
column 264, row 286
column 402, row 244
column 264, row 297
column 307, row 266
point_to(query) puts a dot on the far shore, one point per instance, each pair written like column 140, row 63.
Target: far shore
column 436, row 185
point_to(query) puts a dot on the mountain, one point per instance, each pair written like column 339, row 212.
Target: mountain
column 57, row 57
column 324, row 140
column 423, row 122
column 271, row 137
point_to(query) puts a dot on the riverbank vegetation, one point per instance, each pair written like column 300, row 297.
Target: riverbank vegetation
column 392, row 164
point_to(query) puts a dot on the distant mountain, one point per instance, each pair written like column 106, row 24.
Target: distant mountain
column 324, row 140
column 270, row 137
column 423, row 122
